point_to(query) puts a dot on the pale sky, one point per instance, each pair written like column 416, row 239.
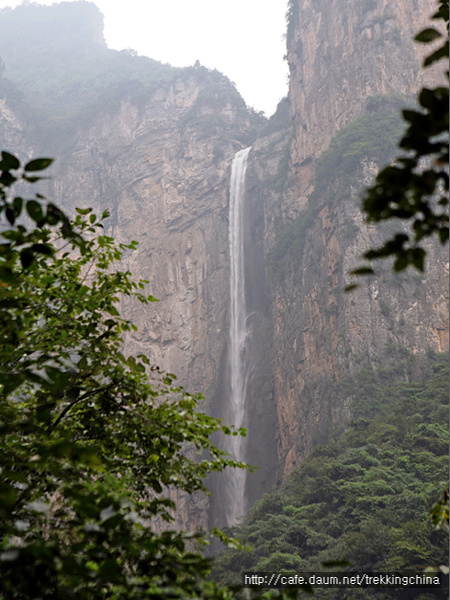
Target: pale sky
column 244, row 39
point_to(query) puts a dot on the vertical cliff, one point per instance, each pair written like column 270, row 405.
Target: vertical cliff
column 163, row 169
column 342, row 53
column 352, row 66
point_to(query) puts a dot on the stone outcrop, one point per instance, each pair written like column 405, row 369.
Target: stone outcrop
column 165, row 187
column 322, row 335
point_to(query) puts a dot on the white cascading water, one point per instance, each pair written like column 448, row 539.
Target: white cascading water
column 236, row 478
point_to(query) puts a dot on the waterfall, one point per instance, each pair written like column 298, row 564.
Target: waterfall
column 239, row 363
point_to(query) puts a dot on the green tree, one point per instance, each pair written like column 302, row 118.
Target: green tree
column 414, row 188
column 361, row 502
column 89, row 438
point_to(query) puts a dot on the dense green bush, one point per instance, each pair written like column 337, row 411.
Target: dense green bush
column 364, row 498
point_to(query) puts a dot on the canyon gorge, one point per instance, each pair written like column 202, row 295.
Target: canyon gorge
column 155, row 145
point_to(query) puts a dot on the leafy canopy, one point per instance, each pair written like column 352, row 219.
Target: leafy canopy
column 90, row 439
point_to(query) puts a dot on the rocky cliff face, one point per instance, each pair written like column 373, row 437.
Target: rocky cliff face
column 341, row 53
column 165, row 183
column 156, row 152
column 321, row 335
column 343, row 57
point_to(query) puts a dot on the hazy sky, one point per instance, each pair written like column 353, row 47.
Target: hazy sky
column 244, row 39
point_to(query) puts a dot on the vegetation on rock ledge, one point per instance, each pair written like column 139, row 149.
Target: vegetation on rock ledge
column 337, row 175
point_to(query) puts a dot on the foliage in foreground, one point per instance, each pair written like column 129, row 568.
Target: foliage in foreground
column 365, row 498
column 89, row 438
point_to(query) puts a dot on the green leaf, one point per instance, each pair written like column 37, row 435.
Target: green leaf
column 26, row 258
column 443, row 235
column 418, row 259
column 34, row 210
column 157, row 487
column 18, row 205
column 428, row 35
column 38, row 164
column 32, row 178
column 55, row 215
column 9, row 161
column 10, row 215
column 436, row 56
column 350, row 287
column 362, row 271
column 400, row 263
column 7, row 179
column 45, row 249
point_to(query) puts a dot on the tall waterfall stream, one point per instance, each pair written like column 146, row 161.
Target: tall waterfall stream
column 239, row 363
